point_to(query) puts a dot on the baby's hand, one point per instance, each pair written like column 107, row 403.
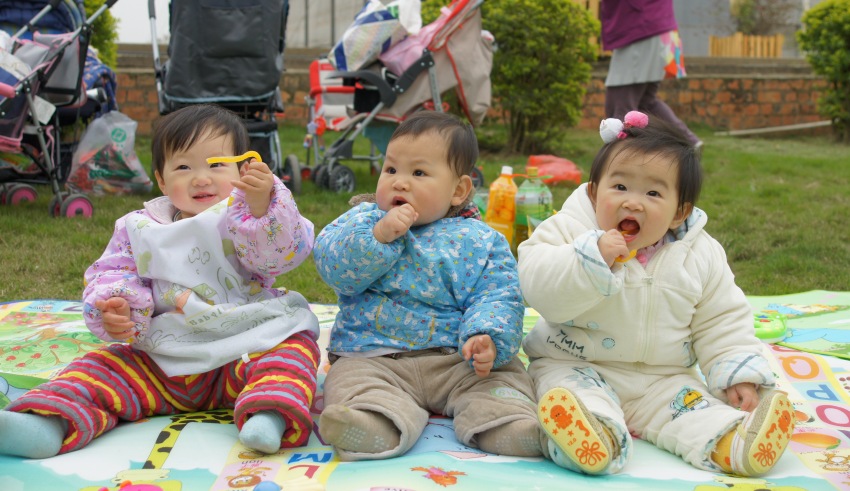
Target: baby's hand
column 612, row 245
column 257, row 181
column 482, row 351
column 744, row 396
column 115, row 312
column 395, row 223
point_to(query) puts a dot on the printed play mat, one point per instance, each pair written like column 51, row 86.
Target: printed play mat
column 201, row 452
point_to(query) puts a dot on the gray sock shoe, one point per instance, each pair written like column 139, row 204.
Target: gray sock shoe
column 263, row 431
column 30, row 435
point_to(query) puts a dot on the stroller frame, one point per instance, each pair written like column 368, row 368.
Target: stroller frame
column 258, row 111
column 380, row 94
column 63, row 203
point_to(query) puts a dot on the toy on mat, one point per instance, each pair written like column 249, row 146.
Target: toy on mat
column 770, row 327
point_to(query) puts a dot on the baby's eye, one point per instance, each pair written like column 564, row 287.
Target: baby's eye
column 217, row 164
column 418, row 173
column 654, row 194
column 181, row 167
column 620, row 187
column 389, row 170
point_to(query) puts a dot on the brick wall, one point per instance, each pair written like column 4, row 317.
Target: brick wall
column 724, row 94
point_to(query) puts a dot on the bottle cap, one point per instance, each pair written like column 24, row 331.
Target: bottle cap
column 507, row 169
column 531, row 171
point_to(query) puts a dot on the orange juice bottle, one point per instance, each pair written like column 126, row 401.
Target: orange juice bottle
column 501, row 205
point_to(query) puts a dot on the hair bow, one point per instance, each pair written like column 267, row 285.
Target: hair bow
column 611, row 129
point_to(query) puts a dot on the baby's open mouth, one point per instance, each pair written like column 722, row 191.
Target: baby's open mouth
column 629, row 227
column 203, row 196
column 399, row 202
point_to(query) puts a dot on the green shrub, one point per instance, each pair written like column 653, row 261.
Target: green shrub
column 826, row 40
column 761, row 17
column 541, row 67
column 104, row 33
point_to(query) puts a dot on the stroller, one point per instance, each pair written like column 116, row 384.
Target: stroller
column 41, row 83
column 229, row 53
column 451, row 52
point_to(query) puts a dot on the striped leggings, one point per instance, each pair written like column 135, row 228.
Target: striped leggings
column 120, row 383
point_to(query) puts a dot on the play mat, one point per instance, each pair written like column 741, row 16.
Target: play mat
column 200, row 451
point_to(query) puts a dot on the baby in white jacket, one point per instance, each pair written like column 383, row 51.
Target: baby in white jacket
column 633, row 293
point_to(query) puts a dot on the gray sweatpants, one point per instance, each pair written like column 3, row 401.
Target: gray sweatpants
column 407, row 389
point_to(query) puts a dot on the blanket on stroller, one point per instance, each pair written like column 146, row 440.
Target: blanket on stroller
column 200, row 451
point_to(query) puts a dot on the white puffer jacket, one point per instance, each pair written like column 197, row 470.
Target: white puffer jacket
column 682, row 308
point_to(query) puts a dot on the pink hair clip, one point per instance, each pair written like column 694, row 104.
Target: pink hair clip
column 613, row 129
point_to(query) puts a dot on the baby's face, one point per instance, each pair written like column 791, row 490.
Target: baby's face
column 638, row 196
column 416, row 171
column 193, row 184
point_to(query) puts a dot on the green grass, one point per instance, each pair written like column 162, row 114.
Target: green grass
column 779, row 206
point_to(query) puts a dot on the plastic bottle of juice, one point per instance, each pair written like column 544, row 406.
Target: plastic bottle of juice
column 533, row 202
column 501, row 205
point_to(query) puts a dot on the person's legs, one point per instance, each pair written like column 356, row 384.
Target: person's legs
column 371, row 410
column 89, row 397
column 574, row 397
column 277, row 390
column 650, row 103
column 494, row 413
column 623, row 98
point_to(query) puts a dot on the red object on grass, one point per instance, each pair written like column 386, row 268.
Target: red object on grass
column 557, row 168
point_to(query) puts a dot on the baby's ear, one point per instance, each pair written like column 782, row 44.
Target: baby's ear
column 591, row 193
column 682, row 214
column 462, row 190
column 160, row 182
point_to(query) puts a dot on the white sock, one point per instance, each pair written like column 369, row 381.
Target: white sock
column 263, row 431
column 30, row 435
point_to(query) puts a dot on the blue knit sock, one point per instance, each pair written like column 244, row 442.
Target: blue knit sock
column 30, row 435
column 263, row 431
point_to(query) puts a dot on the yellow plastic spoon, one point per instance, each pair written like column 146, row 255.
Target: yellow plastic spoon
column 632, row 253
column 238, row 158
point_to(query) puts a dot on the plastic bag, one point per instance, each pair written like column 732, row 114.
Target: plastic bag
column 105, row 160
column 375, row 29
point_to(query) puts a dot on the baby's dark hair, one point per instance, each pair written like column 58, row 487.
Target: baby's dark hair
column 462, row 152
column 181, row 129
column 661, row 139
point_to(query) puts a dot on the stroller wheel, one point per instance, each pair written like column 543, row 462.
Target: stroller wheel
column 320, row 175
column 75, row 205
column 477, row 178
column 55, row 206
column 290, row 174
column 342, row 179
column 20, row 193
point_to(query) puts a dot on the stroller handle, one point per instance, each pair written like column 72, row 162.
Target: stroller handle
column 7, row 91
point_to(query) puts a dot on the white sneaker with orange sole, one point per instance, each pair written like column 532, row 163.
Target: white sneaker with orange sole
column 763, row 435
column 575, row 431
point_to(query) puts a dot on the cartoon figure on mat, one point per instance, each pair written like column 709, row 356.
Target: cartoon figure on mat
column 175, row 285
column 634, row 296
column 424, row 287
column 248, row 476
column 834, row 461
column 439, row 476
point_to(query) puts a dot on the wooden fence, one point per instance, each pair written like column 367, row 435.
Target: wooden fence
column 745, row 46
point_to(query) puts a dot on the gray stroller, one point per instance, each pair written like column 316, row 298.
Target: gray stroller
column 229, row 53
